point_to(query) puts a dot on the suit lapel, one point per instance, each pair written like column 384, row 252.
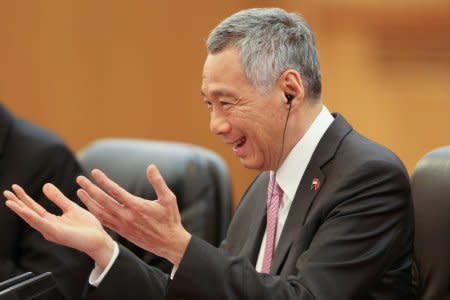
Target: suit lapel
column 258, row 221
column 306, row 191
column 304, row 197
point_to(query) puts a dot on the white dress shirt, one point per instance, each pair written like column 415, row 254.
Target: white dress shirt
column 291, row 172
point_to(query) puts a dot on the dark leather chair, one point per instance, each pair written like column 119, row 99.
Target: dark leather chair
column 431, row 196
column 198, row 177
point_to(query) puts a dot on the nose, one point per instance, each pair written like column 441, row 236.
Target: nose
column 218, row 124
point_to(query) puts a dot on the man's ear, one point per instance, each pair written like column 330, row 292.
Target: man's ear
column 291, row 83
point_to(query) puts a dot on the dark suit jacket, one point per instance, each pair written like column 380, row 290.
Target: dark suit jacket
column 350, row 239
column 31, row 156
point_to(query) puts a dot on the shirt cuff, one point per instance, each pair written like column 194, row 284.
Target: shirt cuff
column 174, row 270
column 98, row 273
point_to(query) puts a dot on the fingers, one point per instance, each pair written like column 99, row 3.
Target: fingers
column 112, row 188
column 57, row 197
column 21, row 198
column 93, row 206
column 25, row 213
column 12, row 200
column 117, row 193
column 95, row 194
column 163, row 192
column 35, row 219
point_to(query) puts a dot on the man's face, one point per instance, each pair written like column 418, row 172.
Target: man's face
column 249, row 122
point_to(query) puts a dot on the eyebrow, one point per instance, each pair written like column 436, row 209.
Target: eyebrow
column 218, row 93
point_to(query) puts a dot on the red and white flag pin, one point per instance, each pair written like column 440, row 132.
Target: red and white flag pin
column 315, row 185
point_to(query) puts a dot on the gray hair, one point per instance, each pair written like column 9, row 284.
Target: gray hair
column 270, row 41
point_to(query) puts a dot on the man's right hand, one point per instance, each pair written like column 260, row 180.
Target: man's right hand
column 76, row 227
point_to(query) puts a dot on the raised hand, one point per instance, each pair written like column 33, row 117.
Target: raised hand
column 76, row 227
column 152, row 225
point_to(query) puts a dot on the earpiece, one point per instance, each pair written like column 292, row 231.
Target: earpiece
column 289, row 98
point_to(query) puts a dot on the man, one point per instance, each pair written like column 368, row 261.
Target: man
column 338, row 223
column 32, row 156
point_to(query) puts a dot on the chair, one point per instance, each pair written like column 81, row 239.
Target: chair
column 198, row 177
column 431, row 196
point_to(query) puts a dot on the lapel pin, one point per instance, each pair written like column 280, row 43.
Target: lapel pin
column 315, row 185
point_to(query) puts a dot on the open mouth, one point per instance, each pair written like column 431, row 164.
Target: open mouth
column 239, row 143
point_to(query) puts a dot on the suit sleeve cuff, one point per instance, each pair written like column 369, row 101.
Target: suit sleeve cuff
column 98, row 273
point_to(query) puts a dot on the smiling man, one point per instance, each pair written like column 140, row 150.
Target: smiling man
column 249, row 118
column 328, row 217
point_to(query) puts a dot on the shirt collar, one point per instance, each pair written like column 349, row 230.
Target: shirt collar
column 291, row 170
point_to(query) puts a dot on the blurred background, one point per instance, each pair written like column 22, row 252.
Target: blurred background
column 115, row 68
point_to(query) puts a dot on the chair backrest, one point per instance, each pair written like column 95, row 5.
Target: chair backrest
column 198, row 177
column 431, row 196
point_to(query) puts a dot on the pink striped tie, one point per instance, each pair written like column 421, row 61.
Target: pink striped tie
column 274, row 196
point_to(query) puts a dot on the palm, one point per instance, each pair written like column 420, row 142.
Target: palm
column 76, row 228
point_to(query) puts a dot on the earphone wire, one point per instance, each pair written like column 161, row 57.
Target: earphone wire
column 280, row 155
column 279, row 160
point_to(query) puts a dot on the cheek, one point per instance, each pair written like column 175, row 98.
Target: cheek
column 259, row 117
column 262, row 125
column 264, row 134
